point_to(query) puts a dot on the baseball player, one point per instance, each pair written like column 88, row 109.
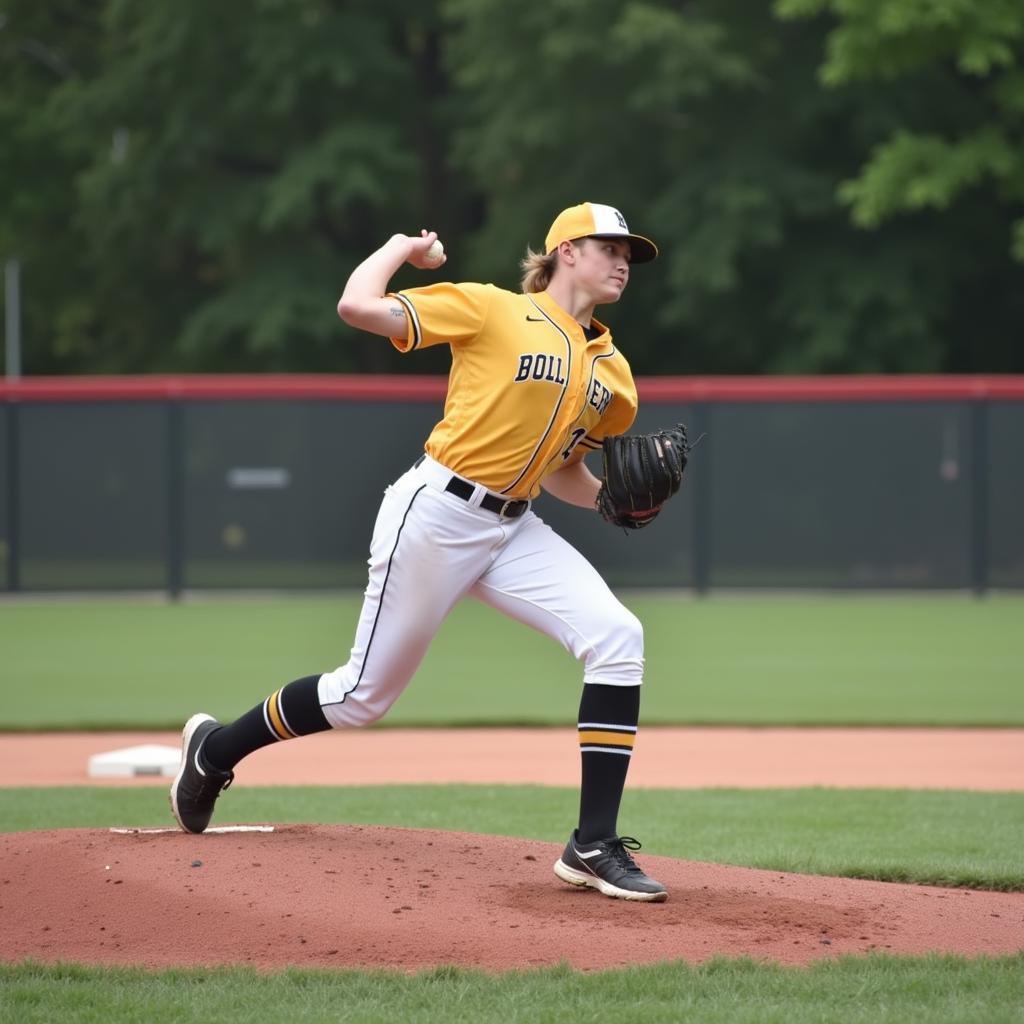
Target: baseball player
column 536, row 382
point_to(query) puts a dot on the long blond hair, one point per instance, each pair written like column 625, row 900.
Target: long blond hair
column 538, row 268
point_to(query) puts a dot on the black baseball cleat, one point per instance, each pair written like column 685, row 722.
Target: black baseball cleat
column 196, row 787
column 607, row 866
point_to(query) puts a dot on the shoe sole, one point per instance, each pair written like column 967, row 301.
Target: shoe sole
column 580, row 878
column 186, row 738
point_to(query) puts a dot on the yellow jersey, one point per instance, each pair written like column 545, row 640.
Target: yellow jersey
column 526, row 387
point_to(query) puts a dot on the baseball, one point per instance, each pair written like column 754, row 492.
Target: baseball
column 435, row 252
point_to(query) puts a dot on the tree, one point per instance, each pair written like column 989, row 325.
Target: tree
column 954, row 160
column 708, row 126
column 832, row 185
column 42, row 47
column 231, row 170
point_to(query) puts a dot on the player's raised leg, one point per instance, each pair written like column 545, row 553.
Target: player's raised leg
column 423, row 558
column 210, row 751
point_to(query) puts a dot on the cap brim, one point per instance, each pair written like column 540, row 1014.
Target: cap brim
column 642, row 250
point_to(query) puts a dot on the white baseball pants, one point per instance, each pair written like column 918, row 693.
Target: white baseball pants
column 429, row 549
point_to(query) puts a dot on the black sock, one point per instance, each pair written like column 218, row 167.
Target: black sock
column 292, row 711
column 607, row 729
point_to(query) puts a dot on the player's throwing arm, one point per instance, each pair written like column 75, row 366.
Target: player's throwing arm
column 364, row 305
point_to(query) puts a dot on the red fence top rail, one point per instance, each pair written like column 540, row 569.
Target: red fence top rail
column 232, row 387
column 372, row 387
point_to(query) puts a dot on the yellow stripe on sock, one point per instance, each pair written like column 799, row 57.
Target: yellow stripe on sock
column 589, row 737
column 276, row 721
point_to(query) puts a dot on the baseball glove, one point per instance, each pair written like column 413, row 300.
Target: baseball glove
column 640, row 473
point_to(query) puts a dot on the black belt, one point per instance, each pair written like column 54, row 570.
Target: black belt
column 509, row 508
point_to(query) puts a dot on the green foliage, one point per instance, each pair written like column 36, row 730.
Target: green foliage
column 886, row 38
column 188, row 185
column 42, row 49
column 913, row 172
column 683, row 119
column 1018, row 240
column 228, row 171
column 971, row 52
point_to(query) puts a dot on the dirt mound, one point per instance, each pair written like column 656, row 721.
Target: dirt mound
column 362, row 896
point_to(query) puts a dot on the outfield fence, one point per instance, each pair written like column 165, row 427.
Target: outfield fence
column 173, row 483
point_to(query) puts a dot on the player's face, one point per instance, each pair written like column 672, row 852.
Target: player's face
column 602, row 268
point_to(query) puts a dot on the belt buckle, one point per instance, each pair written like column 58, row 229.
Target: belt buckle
column 503, row 512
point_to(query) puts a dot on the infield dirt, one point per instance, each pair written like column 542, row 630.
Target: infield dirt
column 367, row 896
column 674, row 758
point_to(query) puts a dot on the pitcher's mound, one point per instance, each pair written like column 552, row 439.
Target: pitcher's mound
column 365, row 896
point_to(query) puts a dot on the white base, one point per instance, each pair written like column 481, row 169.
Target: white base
column 148, row 759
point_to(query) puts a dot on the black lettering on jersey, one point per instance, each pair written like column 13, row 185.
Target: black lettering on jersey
column 599, row 397
column 577, row 435
column 540, row 366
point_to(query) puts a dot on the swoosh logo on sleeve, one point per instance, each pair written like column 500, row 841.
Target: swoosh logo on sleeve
column 536, row 319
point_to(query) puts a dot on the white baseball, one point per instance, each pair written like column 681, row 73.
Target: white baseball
column 435, row 252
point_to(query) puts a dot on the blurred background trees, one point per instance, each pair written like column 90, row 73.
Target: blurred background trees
column 836, row 185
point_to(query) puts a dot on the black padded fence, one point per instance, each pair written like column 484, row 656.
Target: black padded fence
column 179, row 485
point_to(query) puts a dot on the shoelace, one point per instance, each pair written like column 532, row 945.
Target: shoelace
column 619, row 849
column 210, row 785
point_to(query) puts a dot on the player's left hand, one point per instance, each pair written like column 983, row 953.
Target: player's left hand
column 640, row 473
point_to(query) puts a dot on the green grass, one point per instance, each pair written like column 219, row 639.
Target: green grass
column 934, row 837
column 871, row 990
column 927, row 660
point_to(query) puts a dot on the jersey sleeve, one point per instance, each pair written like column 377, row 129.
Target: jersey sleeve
column 439, row 314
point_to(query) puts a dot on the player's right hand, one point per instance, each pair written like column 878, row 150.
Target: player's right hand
column 418, row 254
